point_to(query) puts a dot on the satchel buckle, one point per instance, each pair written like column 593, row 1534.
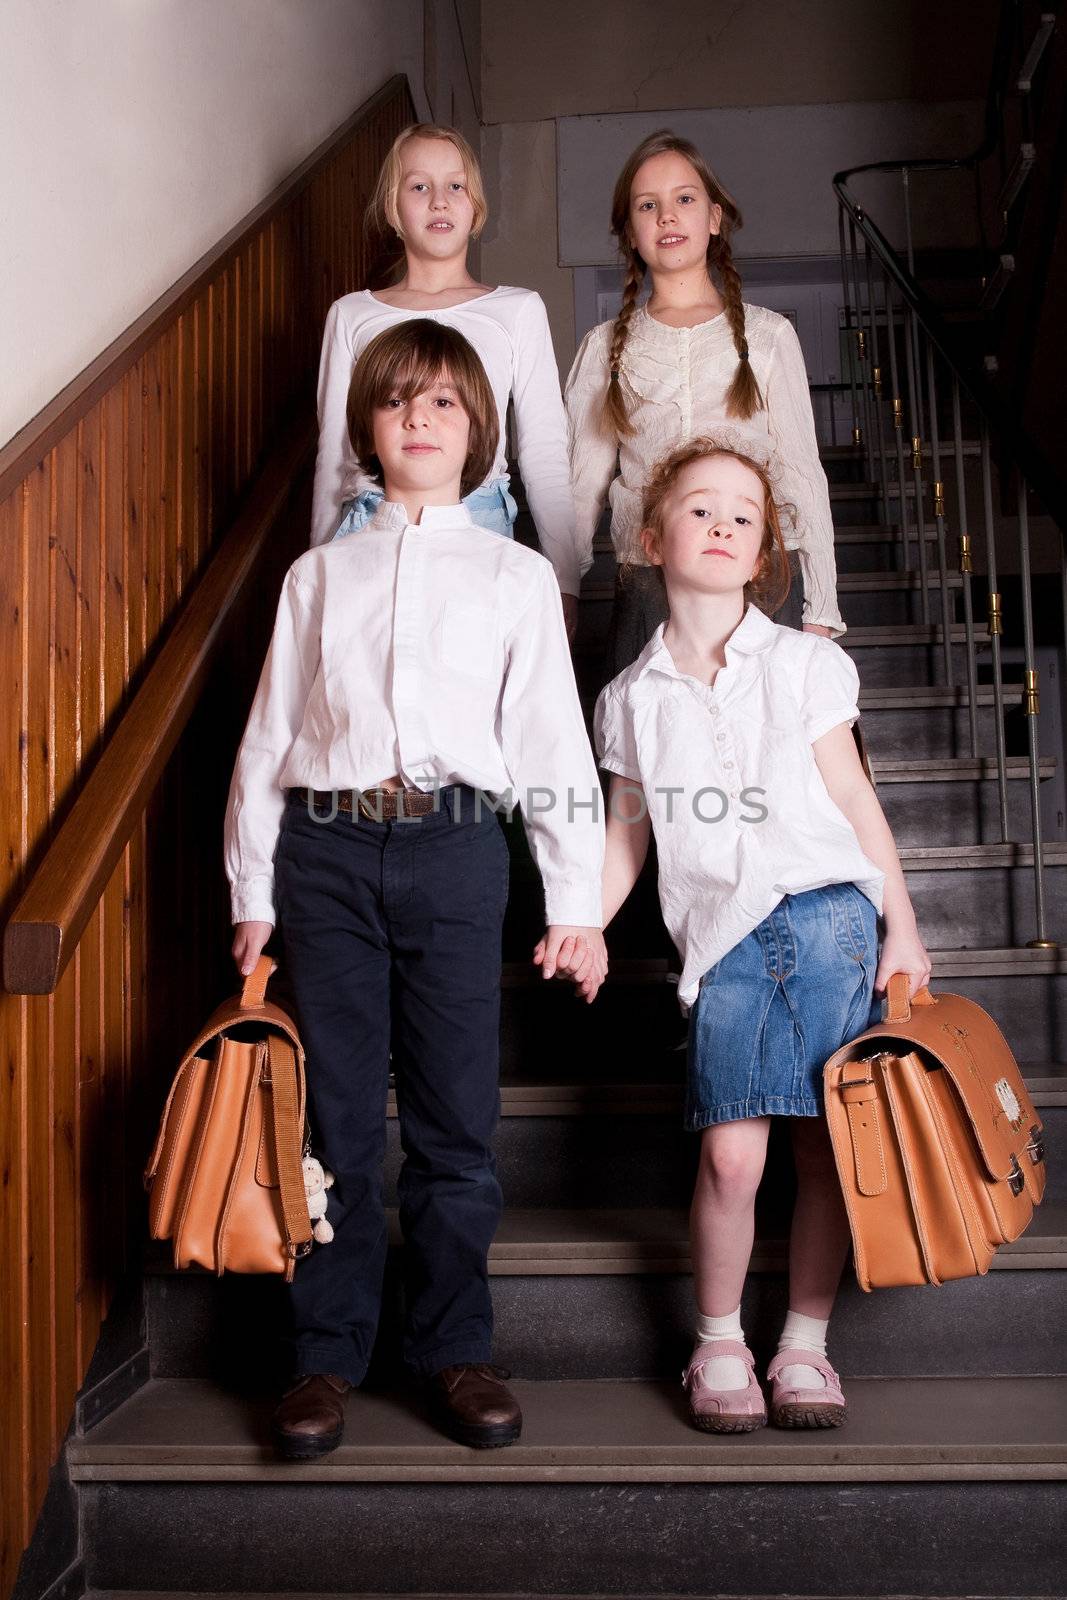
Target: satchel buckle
column 1015, row 1178
column 1035, row 1147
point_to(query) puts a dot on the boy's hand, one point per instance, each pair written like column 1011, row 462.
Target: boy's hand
column 576, row 953
column 249, row 939
column 903, row 952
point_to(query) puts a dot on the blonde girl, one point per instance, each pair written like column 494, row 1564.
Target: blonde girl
column 730, row 738
column 431, row 200
column 692, row 356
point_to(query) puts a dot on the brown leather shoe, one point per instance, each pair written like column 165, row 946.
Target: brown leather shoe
column 472, row 1405
column 311, row 1417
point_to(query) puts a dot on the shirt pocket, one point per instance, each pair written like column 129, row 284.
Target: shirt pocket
column 470, row 639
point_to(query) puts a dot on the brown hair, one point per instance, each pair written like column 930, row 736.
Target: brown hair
column 405, row 360
column 743, row 396
column 769, row 585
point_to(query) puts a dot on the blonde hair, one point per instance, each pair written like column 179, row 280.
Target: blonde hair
column 769, row 586
column 404, row 361
column 383, row 216
column 743, row 396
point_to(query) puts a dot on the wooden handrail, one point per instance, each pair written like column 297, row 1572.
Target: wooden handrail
column 49, row 920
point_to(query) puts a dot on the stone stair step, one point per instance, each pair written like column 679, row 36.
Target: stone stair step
column 956, row 769
column 915, row 1430
column 565, row 1241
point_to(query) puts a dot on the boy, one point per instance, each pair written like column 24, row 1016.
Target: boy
column 415, row 667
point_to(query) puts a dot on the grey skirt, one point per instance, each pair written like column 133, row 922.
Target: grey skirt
column 641, row 605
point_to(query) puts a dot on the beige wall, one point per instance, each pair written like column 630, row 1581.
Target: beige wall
column 556, row 58
column 135, row 133
column 519, row 244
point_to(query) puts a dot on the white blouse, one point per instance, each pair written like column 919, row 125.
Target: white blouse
column 436, row 651
column 509, row 330
column 739, row 809
column 675, row 381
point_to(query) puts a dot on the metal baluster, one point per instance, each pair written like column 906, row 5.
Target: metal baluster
column 898, row 424
column 915, row 402
column 861, row 344
column 876, row 384
column 965, row 567
column 996, row 628
column 857, row 431
column 947, row 616
column 1031, row 705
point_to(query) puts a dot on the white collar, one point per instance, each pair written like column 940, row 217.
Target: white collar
column 755, row 632
column 391, row 516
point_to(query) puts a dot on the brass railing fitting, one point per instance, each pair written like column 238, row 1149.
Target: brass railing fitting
column 939, row 499
column 996, row 624
column 1031, row 694
column 898, row 412
column 965, row 553
column 917, row 453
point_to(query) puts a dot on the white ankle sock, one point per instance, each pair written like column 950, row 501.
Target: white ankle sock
column 722, row 1372
column 803, row 1333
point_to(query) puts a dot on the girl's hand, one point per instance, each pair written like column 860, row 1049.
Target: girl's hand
column 570, row 615
column 576, row 953
column 903, row 952
column 817, row 627
column 248, row 942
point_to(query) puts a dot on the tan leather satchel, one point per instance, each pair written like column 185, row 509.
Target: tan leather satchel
column 225, row 1176
column 937, row 1143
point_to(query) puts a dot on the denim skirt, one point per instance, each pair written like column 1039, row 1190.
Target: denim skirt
column 492, row 507
column 778, row 1004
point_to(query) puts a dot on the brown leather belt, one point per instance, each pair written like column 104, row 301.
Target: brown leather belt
column 376, row 805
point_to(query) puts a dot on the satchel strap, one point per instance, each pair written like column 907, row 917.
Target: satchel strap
column 288, row 1142
column 897, row 1005
column 860, row 1099
column 255, row 985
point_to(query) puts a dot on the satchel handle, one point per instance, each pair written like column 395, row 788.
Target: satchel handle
column 897, row 1005
column 255, row 985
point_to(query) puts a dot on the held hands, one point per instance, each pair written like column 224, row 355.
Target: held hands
column 249, row 939
column 576, row 953
column 903, row 952
column 817, row 627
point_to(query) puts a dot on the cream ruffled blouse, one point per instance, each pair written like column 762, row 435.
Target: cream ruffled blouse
column 675, row 382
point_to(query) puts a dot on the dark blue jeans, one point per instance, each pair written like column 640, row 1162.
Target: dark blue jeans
column 392, row 935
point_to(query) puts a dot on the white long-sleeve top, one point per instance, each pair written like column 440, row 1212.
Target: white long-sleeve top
column 509, row 330
column 435, row 651
column 675, row 382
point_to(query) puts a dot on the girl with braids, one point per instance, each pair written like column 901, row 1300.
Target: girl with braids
column 693, row 356
column 430, row 202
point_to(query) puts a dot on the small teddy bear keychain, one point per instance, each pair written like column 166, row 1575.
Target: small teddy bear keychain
column 316, row 1182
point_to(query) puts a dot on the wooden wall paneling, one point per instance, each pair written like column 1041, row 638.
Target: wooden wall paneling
column 217, row 380
column 170, row 470
column 152, row 506
column 202, row 335
column 67, row 645
column 91, row 954
column 110, row 1207
column 256, row 420
column 15, row 1372
column 37, row 730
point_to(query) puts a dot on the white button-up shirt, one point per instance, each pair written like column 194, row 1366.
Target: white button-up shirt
column 435, row 651
column 740, row 811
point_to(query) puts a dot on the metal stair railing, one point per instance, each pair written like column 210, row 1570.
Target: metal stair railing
column 886, row 314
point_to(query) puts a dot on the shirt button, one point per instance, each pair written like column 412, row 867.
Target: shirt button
column 727, row 764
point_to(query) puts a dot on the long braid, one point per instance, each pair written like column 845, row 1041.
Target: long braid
column 743, row 396
column 615, row 414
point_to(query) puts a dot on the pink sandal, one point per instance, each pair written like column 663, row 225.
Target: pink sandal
column 805, row 1408
column 723, row 1410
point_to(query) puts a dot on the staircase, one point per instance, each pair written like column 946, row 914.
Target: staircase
column 947, row 1479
